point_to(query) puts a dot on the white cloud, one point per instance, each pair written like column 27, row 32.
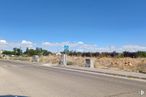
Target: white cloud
column 78, row 46
column 130, row 48
column 75, row 46
column 52, row 44
column 134, row 48
column 3, row 42
column 81, row 46
column 80, row 42
column 24, row 44
column 4, row 45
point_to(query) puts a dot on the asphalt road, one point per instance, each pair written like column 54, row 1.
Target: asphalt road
column 37, row 81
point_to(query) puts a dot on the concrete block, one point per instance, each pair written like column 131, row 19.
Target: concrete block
column 89, row 63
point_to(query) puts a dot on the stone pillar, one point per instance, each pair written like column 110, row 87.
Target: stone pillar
column 35, row 58
column 64, row 59
column 89, row 63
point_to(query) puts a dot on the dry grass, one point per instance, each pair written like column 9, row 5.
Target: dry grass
column 50, row 59
column 126, row 64
column 76, row 60
column 20, row 58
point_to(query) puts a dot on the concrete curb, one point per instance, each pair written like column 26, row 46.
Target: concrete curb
column 108, row 72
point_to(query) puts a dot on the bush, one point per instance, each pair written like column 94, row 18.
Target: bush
column 142, row 68
column 69, row 63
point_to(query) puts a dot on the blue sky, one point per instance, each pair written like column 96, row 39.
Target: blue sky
column 93, row 22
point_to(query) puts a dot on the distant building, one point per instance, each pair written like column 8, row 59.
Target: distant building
column 58, row 54
column 1, row 55
column 1, row 51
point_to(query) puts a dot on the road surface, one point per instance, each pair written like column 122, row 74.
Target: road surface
column 37, row 81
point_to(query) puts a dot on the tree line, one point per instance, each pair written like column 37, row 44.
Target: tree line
column 40, row 51
column 28, row 52
column 137, row 54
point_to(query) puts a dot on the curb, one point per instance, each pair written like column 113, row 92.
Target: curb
column 107, row 73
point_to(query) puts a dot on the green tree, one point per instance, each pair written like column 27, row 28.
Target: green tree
column 141, row 54
column 6, row 52
column 17, row 51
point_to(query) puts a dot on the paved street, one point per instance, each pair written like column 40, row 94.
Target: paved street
column 37, row 81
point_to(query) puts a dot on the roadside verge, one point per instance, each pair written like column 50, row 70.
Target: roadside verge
column 111, row 72
column 107, row 72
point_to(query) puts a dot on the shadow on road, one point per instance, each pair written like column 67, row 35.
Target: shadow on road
column 12, row 96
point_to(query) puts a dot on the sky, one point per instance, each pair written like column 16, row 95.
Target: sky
column 84, row 25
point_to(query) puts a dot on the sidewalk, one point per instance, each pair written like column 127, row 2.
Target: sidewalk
column 110, row 72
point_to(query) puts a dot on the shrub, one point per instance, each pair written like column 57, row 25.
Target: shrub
column 69, row 63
